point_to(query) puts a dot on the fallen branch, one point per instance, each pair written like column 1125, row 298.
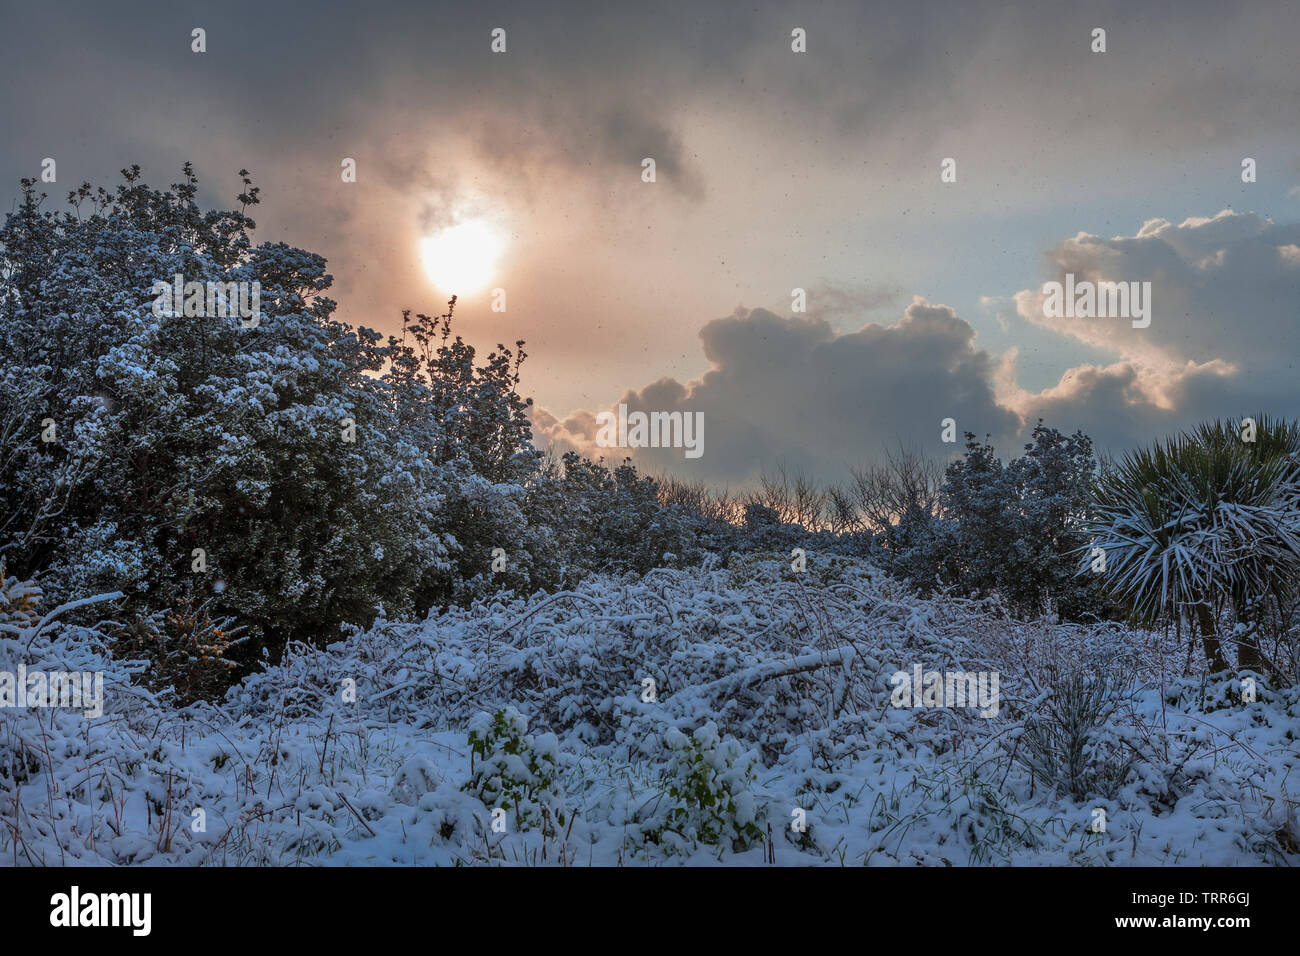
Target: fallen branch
column 71, row 605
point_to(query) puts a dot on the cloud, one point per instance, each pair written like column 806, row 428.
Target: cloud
column 847, row 301
column 794, row 389
column 1224, row 333
column 775, row 169
column 1225, row 287
column 1223, row 342
column 1115, row 406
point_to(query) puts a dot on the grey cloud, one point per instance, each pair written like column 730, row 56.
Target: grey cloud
column 1223, row 340
column 1111, row 405
column 1223, row 344
column 795, row 391
column 1223, row 288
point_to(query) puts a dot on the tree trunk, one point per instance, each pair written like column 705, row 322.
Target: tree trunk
column 1248, row 655
column 1210, row 638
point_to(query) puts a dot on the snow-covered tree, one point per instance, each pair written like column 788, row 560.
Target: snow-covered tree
column 1013, row 528
column 198, row 456
column 285, row 474
column 1203, row 523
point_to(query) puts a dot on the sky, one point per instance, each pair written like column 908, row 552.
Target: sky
column 775, row 170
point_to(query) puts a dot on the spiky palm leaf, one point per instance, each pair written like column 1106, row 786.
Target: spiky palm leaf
column 1201, row 515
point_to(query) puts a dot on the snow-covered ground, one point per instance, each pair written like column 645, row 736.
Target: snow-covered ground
column 689, row 717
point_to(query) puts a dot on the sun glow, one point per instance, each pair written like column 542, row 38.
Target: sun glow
column 462, row 259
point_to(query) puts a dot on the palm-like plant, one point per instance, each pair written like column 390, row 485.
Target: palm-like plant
column 1202, row 519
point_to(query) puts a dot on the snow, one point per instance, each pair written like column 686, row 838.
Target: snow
column 771, row 696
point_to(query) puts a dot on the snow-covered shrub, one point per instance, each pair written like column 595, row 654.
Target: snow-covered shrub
column 794, row 678
column 1071, row 740
column 50, row 753
column 821, row 569
column 709, row 781
column 514, row 770
column 986, row 823
column 186, row 649
column 417, row 777
column 1016, row 528
column 177, row 434
column 18, row 602
column 611, row 521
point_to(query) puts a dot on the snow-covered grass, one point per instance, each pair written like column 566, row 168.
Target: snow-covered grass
column 680, row 718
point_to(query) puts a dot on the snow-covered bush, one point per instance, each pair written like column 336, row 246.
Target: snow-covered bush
column 185, row 647
column 1070, row 739
column 199, row 450
column 611, row 520
column 818, row 569
column 710, row 785
column 793, row 677
column 1015, row 529
column 514, row 770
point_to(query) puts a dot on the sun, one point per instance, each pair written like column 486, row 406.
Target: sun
column 462, row 259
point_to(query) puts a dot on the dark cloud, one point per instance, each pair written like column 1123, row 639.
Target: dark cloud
column 795, row 390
